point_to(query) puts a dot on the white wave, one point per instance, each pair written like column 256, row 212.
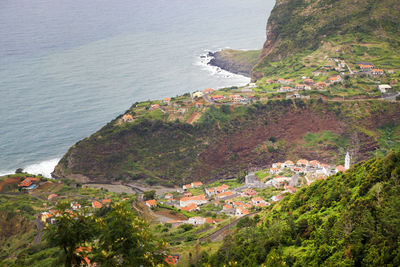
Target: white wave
column 44, row 168
column 205, row 58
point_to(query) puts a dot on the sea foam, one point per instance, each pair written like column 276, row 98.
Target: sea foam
column 44, row 168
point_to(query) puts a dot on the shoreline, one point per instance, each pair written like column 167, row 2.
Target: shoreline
column 238, row 62
column 218, row 61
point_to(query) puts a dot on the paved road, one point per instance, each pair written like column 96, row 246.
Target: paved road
column 219, row 234
column 40, row 227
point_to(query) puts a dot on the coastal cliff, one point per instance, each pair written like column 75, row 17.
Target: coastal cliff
column 235, row 61
column 299, row 25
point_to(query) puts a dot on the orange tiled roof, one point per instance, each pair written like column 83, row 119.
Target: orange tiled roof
column 97, row 205
column 151, row 202
column 189, row 207
column 104, row 201
column 194, row 198
column 227, row 207
column 52, row 196
column 224, row 194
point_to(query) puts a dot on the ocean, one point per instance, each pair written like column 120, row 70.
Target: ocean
column 69, row 67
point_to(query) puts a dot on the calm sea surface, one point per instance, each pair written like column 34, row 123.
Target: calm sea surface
column 68, row 67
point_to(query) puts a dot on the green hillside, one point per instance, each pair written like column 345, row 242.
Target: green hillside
column 350, row 219
column 226, row 140
column 297, row 26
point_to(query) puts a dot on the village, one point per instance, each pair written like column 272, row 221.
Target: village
column 259, row 190
column 332, row 81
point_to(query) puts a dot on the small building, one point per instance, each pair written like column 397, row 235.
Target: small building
column 97, row 205
column 208, row 91
column 314, row 163
column 270, row 81
column 190, row 207
column 340, row 168
column 278, row 165
column 154, row 106
column 172, row 259
column 285, row 89
column 276, row 198
column 274, row 170
column 28, row 183
column 335, row 79
column 167, row 100
column 187, row 194
column 51, row 196
column 224, row 195
column 227, row 207
column 196, row 184
column 377, row 72
column 302, row 163
column 384, row 88
column 106, row 201
column 168, row 196
column 290, row 189
column 198, row 200
column 187, row 186
column 366, row 67
column 321, row 85
column 257, row 200
column 197, row 94
column 241, row 211
column 309, row 81
column 289, row 163
column 198, row 104
column 151, row 203
column 75, row 206
column 127, row 118
column 217, row 97
column 197, row 220
column 250, row 192
column 281, row 181
column 390, row 71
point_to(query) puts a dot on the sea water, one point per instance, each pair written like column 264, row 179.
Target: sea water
column 69, row 67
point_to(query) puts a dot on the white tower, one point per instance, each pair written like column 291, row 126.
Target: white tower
column 347, row 161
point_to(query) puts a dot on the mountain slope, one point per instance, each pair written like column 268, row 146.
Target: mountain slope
column 227, row 140
column 350, row 219
column 296, row 26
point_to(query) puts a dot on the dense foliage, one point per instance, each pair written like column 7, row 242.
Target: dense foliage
column 350, row 219
column 113, row 236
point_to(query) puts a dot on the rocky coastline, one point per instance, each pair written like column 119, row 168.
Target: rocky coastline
column 234, row 61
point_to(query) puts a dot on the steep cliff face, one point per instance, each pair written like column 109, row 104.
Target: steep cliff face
column 299, row 25
column 227, row 141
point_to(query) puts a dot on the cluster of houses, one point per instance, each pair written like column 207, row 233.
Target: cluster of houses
column 50, row 216
column 370, row 69
column 304, row 166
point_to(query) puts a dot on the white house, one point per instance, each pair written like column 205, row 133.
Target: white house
column 197, row 94
column 384, row 88
column 198, row 200
column 197, row 220
column 258, row 200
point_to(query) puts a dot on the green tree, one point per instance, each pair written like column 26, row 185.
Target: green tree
column 125, row 240
column 149, row 195
column 70, row 231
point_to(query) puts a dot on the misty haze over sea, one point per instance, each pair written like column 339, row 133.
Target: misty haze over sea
column 69, row 67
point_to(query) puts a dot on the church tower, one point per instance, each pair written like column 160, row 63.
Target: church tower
column 347, row 161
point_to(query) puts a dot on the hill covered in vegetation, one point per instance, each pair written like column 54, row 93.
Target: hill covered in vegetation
column 298, row 28
column 226, row 140
column 349, row 219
